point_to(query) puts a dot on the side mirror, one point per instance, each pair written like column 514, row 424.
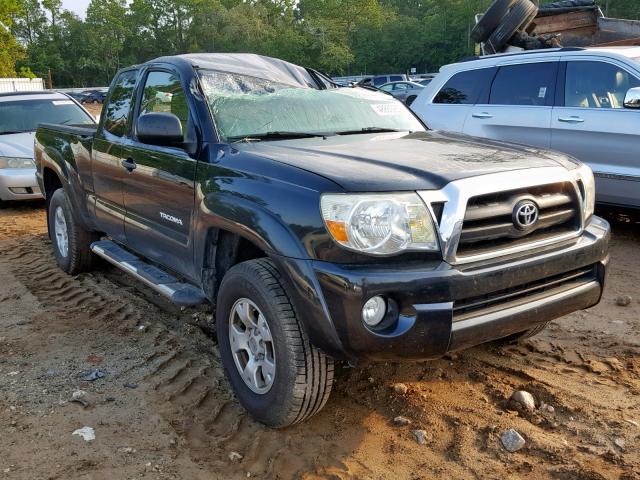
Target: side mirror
column 632, row 100
column 162, row 129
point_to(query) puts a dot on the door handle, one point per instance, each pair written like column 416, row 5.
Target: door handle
column 129, row 164
column 571, row 120
column 482, row 115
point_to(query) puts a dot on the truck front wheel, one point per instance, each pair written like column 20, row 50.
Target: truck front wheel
column 277, row 375
column 71, row 242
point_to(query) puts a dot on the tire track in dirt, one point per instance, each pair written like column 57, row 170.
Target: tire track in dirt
column 186, row 385
column 592, row 379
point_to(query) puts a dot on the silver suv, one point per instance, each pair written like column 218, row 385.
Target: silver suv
column 584, row 102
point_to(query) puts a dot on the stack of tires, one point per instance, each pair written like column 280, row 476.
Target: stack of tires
column 503, row 20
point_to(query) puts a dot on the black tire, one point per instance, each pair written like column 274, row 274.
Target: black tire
column 410, row 100
column 522, row 13
column 518, row 337
column 490, row 20
column 79, row 257
column 303, row 374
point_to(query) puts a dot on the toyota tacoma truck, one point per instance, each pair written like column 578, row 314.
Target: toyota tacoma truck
column 322, row 223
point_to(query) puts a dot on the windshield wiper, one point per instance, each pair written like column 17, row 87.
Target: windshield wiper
column 279, row 135
column 12, row 133
column 368, row 130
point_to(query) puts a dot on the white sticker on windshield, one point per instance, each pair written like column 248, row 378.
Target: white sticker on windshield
column 387, row 109
column 543, row 92
column 62, row 102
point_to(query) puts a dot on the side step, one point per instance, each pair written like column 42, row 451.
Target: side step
column 181, row 294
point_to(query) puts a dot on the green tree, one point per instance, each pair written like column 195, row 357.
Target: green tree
column 10, row 50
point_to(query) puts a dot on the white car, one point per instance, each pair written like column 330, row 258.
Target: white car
column 20, row 114
column 581, row 101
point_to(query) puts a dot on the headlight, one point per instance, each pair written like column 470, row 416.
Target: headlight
column 379, row 224
column 584, row 175
column 16, row 162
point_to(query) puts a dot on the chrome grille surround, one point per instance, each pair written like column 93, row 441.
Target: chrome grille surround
column 455, row 197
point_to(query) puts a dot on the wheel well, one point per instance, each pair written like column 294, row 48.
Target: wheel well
column 51, row 182
column 224, row 250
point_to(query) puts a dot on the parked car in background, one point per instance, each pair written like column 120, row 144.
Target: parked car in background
column 379, row 80
column 20, row 114
column 93, row 96
column 406, row 92
column 321, row 223
column 584, row 102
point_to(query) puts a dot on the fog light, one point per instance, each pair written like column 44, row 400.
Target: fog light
column 374, row 311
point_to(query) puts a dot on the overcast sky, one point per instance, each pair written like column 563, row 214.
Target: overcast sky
column 77, row 6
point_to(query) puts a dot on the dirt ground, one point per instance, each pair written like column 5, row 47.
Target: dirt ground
column 165, row 410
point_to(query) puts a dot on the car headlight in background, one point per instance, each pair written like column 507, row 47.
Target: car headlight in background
column 379, row 224
column 16, row 162
column 584, row 175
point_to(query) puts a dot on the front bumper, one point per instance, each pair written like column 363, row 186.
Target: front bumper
column 444, row 308
column 19, row 184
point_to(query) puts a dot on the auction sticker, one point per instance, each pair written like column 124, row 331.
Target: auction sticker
column 387, row 109
column 62, row 102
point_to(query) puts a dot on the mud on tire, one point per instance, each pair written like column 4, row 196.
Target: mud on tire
column 303, row 374
column 76, row 256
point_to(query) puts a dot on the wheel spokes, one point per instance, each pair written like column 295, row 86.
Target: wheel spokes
column 252, row 346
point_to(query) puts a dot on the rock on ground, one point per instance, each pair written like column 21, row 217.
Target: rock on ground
column 512, row 440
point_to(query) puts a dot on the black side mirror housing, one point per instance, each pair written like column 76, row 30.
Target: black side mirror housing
column 162, row 129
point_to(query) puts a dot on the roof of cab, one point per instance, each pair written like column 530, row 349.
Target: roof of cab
column 250, row 64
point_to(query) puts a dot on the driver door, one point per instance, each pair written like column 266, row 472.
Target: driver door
column 592, row 124
column 159, row 189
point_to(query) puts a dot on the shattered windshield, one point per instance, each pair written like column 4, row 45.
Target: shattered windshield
column 247, row 107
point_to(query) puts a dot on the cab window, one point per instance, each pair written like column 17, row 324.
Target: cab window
column 117, row 109
column 465, row 88
column 380, row 81
column 163, row 93
column 597, row 85
column 529, row 84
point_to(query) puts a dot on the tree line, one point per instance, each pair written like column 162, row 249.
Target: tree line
column 336, row 36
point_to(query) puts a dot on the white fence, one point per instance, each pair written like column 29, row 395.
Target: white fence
column 21, row 84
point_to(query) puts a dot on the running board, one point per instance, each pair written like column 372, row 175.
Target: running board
column 179, row 293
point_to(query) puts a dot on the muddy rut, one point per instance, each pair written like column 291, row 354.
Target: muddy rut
column 165, row 410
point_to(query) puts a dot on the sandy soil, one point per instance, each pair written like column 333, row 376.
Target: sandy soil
column 181, row 421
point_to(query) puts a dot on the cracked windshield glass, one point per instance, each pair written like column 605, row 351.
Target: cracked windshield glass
column 247, row 108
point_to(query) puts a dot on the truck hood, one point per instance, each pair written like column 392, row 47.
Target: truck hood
column 17, row 145
column 403, row 161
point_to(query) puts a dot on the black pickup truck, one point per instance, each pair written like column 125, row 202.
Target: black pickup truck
column 322, row 222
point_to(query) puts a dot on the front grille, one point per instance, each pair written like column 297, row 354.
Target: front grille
column 489, row 224
column 528, row 292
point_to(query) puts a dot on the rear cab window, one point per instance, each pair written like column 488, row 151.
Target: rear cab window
column 116, row 111
column 465, row 88
column 529, row 84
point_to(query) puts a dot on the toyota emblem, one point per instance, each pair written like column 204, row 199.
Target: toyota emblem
column 525, row 215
